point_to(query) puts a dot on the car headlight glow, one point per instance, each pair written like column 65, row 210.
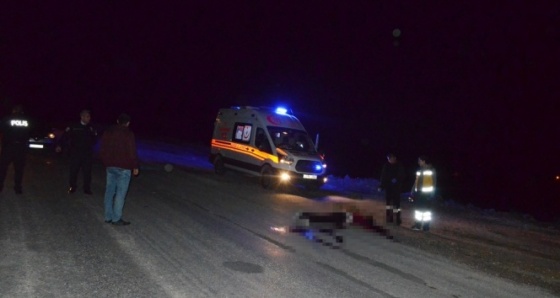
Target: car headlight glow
column 287, row 160
column 285, row 176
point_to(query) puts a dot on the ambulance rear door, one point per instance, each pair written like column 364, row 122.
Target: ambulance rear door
column 243, row 154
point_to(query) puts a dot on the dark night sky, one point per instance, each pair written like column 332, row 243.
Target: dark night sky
column 471, row 83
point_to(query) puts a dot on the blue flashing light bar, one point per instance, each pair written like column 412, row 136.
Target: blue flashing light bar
column 281, row 111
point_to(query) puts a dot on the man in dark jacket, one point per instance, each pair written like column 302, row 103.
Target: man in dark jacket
column 392, row 179
column 80, row 139
column 15, row 141
column 118, row 154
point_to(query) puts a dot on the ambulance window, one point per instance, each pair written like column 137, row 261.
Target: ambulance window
column 261, row 141
column 278, row 138
column 291, row 139
column 242, row 133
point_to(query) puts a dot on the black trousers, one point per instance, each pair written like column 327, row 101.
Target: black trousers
column 393, row 198
column 81, row 161
column 393, row 204
column 423, row 202
column 12, row 154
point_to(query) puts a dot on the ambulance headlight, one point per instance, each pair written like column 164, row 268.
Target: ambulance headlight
column 318, row 168
column 286, row 160
column 285, row 176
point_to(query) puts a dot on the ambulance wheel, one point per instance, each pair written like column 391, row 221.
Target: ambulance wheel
column 267, row 177
column 219, row 167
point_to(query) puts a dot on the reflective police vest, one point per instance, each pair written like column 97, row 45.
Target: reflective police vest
column 18, row 123
column 424, row 181
column 15, row 129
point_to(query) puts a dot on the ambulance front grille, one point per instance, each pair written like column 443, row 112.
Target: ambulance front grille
column 309, row 166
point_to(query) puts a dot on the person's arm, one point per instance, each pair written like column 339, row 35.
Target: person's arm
column 382, row 179
column 434, row 177
column 64, row 139
column 134, row 155
column 411, row 195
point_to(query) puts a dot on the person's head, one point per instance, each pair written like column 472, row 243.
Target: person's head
column 391, row 158
column 85, row 116
column 124, row 119
column 17, row 110
column 422, row 160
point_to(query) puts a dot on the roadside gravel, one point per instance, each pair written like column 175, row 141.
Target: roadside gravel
column 507, row 245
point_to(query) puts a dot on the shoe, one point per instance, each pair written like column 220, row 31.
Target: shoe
column 71, row 189
column 108, row 221
column 88, row 192
column 416, row 227
column 121, row 223
column 18, row 191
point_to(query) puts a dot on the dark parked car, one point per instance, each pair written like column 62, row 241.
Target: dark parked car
column 45, row 138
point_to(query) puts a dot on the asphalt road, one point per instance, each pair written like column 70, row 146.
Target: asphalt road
column 195, row 234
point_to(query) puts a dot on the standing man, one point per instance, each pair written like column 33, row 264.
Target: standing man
column 118, row 154
column 422, row 194
column 80, row 138
column 15, row 143
column 392, row 178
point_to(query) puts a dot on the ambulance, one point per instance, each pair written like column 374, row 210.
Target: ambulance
column 267, row 142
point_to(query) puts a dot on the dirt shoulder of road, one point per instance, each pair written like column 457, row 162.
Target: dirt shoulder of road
column 511, row 246
column 508, row 245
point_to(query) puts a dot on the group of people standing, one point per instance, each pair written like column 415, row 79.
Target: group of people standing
column 422, row 193
column 117, row 152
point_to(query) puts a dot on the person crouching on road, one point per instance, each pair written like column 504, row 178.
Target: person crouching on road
column 422, row 194
column 119, row 156
column 392, row 178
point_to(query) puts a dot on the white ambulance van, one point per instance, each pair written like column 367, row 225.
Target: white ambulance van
column 270, row 143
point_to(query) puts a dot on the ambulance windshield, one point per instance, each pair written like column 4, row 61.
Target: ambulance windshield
column 291, row 139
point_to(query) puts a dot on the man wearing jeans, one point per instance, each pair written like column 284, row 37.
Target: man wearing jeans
column 118, row 154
